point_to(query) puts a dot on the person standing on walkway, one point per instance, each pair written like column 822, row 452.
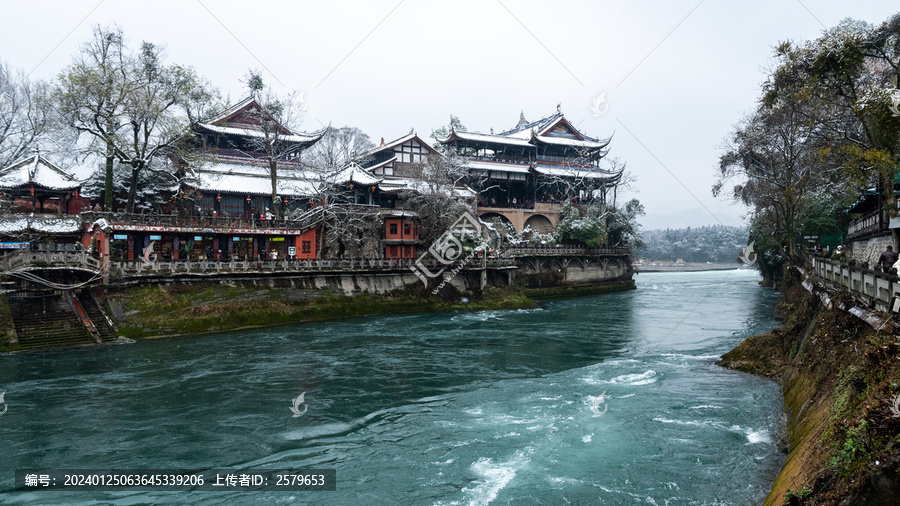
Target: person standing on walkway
column 887, row 259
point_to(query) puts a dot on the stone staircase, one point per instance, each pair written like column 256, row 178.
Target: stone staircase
column 97, row 316
column 45, row 320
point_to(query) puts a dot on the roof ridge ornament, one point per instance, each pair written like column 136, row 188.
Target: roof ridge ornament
column 522, row 121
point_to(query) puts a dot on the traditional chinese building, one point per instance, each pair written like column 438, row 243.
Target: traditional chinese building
column 36, row 185
column 399, row 164
column 226, row 207
column 522, row 175
column 232, row 173
column 353, row 185
column 41, row 203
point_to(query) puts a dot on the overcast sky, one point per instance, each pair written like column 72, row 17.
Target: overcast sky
column 676, row 74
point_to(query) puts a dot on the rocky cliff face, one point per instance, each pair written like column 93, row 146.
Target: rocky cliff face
column 841, row 382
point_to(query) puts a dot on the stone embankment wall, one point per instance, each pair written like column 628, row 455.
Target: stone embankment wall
column 543, row 272
column 869, row 250
column 188, row 303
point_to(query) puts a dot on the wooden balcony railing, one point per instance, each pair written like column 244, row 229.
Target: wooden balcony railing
column 306, row 220
column 871, row 223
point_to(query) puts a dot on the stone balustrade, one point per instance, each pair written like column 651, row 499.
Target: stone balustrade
column 874, row 287
column 551, row 251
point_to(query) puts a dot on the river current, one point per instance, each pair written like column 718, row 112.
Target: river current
column 611, row 399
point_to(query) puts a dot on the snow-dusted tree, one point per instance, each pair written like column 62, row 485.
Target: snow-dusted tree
column 278, row 117
column 24, row 114
column 346, row 229
column 623, row 229
column 337, row 148
column 587, row 227
column 442, row 132
column 852, row 74
column 154, row 192
column 772, row 159
column 133, row 107
column 441, row 196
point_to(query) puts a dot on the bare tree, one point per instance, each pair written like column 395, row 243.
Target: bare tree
column 24, row 114
column 277, row 118
column 773, row 161
column 442, row 194
column 132, row 106
column 337, row 148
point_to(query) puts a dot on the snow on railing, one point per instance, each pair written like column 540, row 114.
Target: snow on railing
column 49, row 259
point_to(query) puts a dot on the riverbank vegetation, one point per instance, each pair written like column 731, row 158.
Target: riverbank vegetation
column 840, row 381
column 825, row 132
column 145, row 311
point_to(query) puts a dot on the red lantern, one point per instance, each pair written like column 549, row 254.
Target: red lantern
column 351, row 186
column 218, row 198
column 248, row 199
column 32, row 190
column 373, row 189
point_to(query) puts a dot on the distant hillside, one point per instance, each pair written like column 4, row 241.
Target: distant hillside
column 716, row 243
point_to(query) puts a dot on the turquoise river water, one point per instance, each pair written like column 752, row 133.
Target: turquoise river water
column 613, row 399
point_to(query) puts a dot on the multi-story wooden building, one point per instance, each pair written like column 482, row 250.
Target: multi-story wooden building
column 225, row 204
column 399, row 164
column 522, row 175
column 41, row 204
column 232, row 169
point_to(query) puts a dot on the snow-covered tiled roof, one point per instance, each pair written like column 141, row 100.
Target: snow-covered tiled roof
column 68, row 225
column 355, row 174
column 563, row 141
column 221, row 125
column 37, row 170
column 522, row 168
column 13, row 225
column 530, row 134
column 259, row 134
column 253, row 184
column 253, row 179
column 373, row 168
column 540, row 126
column 488, row 138
column 397, row 142
column 54, row 225
column 395, row 184
column 230, row 111
column 576, row 173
